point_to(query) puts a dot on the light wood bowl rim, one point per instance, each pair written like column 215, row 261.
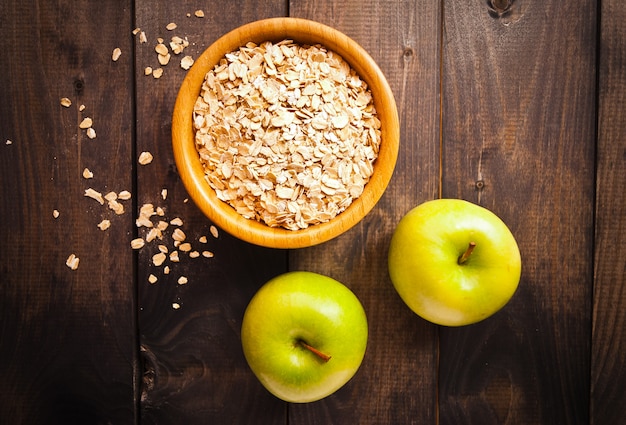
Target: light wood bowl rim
column 192, row 173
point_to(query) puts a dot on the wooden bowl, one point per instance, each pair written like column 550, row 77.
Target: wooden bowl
column 192, row 172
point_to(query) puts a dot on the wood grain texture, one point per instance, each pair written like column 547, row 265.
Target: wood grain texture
column 67, row 338
column 194, row 370
column 608, row 361
column 518, row 138
column 397, row 380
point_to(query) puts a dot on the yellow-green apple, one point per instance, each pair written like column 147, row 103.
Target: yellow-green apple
column 304, row 336
column 453, row 262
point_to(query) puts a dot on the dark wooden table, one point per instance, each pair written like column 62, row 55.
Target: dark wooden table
column 519, row 106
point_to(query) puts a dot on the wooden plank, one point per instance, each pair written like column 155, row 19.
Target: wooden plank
column 608, row 362
column 397, row 380
column 518, row 138
column 67, row 339
column 194, row 369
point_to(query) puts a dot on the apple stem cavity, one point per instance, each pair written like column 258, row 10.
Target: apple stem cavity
column 324, row 357
column 463, row 258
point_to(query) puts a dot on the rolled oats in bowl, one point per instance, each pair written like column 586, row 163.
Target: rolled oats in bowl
column 287, row 133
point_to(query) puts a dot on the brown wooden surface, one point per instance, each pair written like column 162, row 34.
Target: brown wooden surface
column 608, row 360
column 515, row 105
column 67, row 339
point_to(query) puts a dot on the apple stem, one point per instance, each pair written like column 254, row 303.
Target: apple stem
column 318, row 353
column 463, row 258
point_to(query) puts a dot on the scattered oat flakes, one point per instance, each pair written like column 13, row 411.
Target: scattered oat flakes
column 162, row 225
column 147, row 210
column 176, row 221
column 152, row 279
column 158, row 259
column 186, row 62
column 124, row 195
column 164, row 194
column 85, row 123
column 175, row 306
column 185, row 247
column 87, row 174
column 137, row 243
column 116, row 207
column 207, row 254
column 171, row 26
column 72, row 261
column 214, row 231
column 81, row 108
column 91, row 133
column 157, row 73
column 178, row 235
column 182, row 280
column 203, row 239
column 55, row 213
column 161, row 49
column 194, row 254
column 164, row 59
column 178, row 44
column 142, row 37
column 136, row 31
column 160, row 212
column 145, row 158
column 163, row 249
column 117, row 52
column 154, row 234
column 166, row 270
column 94, row 194
column 143, row 221
column 174, row 257
column 104, row 225
column 66, row 102
column 147, row 70
column 199, row 13
column 9, row 142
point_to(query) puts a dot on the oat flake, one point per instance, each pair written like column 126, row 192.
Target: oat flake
column 117, row 52
column 104, row 225
column 85, row 123
column 145, row 158
column 72, row 262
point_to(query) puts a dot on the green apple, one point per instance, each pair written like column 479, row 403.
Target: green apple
column 453, row 262
column 304, row 336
